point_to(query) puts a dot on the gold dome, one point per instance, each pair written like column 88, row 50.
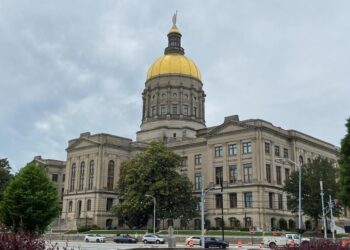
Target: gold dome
column 174, row 64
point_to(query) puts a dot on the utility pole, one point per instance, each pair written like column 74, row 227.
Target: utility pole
column 332, row 218
column 323, row 212
column 222, row 210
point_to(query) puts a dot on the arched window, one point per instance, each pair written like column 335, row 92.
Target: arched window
column 170, row 222
column 72, row 178
column 234, row 223
column 88, row 205
column 301, row 160
column 82, row 175
column 197, row 224
column 248, row 222
column 70, row 206
column 218, row 222
column 91, row 175
column 110, row 176
column 273, row 224
column 79, row 208
column 109, row 223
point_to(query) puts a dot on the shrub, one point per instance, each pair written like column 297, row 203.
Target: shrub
column 20, row 240
column 318, row 244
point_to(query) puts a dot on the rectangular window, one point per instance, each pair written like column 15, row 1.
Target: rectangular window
column 54, row 177
column 233, row 174
column 153, row 110
column 218, row 200
column 185, row 109
column 285, row 153
column 218, row 175
column 247, row 171
column 218, row 151
column 271, row 200
column 198, row 159
column 162, row 109
column 174, row 109
column 247, row 147
column 277, row 151
column 278, row 175
column 183, row 161
column 248, row 200
column 267, row 148
column 194, row 111
column 268, row 173
column 109, row 204
column 233, row 200
column 286, row 174
column 63, row 177
column 197, row 181
column 280, row 201
column 232, row 149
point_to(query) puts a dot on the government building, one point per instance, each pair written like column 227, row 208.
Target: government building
column 251, row 158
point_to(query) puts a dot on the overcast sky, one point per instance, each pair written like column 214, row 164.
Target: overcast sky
column 68, row 67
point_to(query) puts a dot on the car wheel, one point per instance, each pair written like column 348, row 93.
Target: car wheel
column 97, row 240
column 272, row 245
column 157, row 241
column 145, row 241
column 86, row 240
column 206, row 246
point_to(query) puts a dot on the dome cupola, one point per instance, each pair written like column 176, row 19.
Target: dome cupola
column 173, row 98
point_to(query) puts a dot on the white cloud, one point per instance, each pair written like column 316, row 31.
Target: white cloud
column 69, row 67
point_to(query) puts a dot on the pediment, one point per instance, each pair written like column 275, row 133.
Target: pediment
column 82, row 143
column 229, row 127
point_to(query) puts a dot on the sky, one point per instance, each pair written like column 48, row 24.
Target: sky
column 68, row 67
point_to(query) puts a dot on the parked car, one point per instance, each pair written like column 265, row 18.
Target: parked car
column 94, row 238
column 124, row 238
column 196, row 240
column 153, row 238
column 214, row 242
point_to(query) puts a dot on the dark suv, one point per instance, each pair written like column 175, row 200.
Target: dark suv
column 214, row 242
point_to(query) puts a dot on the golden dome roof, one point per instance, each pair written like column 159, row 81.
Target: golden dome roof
column 174, row 64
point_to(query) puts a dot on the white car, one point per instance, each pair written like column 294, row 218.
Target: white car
column 94, row 238
column 196, row 240
column 153, row 238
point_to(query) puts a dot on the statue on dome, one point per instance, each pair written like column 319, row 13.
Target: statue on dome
column 174, row 19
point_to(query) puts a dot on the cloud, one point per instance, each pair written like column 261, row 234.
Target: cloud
column 70, row 67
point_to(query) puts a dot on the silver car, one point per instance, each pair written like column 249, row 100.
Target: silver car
column 94, row 238
column 153, row 238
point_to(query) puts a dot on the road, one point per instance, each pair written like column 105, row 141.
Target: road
column 81, row 245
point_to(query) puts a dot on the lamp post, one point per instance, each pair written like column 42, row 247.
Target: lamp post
column 154, row 212
column 203, row 194
column 298, row 165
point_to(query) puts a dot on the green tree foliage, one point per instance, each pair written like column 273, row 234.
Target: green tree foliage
column 29, row 201
column 312, row 173
column 344, row 168
column 5, row 175
column 154, row 172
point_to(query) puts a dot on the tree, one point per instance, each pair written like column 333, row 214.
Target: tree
column 29, row 201
column 344, row 168
column 154, row 173
column 312, row 173
column 5, row 175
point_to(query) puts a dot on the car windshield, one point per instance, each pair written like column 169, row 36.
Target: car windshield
column 158, row 236
column 97, row 235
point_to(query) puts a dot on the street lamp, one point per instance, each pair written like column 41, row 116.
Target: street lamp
column 154, row 212
column 203, row 194
column 298, row 165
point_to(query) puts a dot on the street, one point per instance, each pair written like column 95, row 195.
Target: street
column 81, row 245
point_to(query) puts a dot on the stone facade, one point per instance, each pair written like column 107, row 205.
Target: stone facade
column 246, row 156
